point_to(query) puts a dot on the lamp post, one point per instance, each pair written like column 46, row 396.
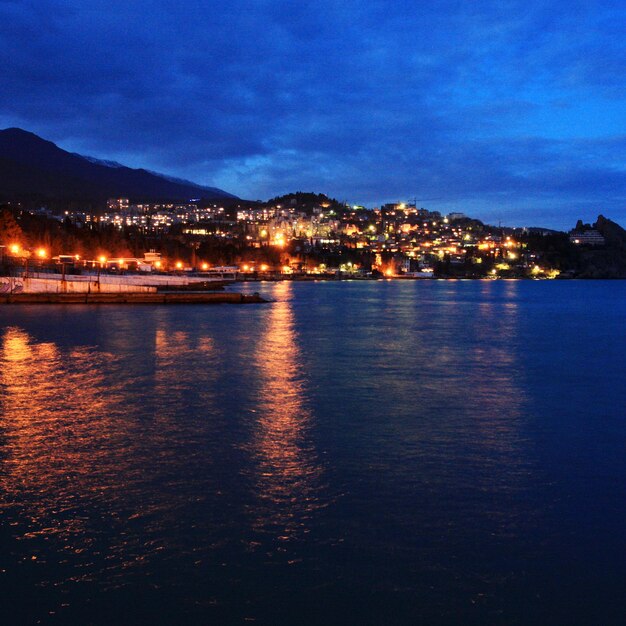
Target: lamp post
column 102, row 260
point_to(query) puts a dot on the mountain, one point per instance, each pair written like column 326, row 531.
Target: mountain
column 102, row 161
column 613, row 233
column 33, row 169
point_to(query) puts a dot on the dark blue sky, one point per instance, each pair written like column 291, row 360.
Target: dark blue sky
column 506, row 110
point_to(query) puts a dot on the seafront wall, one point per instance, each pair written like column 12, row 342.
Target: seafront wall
column 54, row 283
column 77, row 284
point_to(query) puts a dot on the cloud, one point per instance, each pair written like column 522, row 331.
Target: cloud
column 488, row 104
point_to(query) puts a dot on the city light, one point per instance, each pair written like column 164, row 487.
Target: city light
column 382, row 239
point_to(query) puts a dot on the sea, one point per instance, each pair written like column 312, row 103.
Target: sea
column 360, row 452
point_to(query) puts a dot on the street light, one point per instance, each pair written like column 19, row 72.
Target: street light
column 102, row 260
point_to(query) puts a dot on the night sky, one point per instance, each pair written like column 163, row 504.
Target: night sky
column 511, row 111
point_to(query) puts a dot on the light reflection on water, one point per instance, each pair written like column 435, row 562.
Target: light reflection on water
column 87, row 459
column 287, row 471
column 346, row 449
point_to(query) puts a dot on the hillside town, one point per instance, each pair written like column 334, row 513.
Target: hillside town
column 299, row 236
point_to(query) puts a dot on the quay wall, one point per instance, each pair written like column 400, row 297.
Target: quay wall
column 87, row 284
column 132, row 279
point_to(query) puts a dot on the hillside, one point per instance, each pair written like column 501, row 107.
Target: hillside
column 35, row 170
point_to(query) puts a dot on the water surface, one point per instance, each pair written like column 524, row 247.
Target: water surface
column 372, row 453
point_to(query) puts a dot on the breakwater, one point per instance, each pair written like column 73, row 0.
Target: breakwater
column 132, row 298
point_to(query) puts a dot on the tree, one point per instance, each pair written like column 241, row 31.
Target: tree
column 10, row 231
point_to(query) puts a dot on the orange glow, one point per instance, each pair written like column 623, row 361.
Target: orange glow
column 389, row 272
column 205, row 266
column 77, row 256
column 40, row 463
column 157, row 264
column 286, row 269
column 264, row 268
column 15, row 249
column 288, row 471
column 102, row 260
column 245, row 268
column 41, row 253
column 179, row 265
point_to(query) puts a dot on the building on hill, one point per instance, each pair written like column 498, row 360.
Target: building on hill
column 589, row 237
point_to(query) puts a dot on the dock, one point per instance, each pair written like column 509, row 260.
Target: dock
column 161, row 297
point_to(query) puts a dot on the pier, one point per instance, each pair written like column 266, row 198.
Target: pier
column 199, row 297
